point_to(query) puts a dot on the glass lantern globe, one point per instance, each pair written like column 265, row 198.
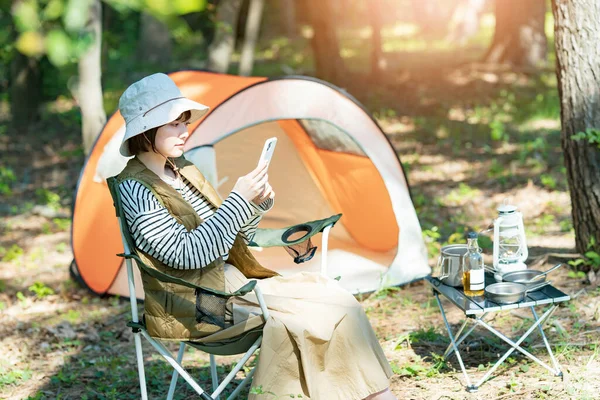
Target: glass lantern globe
column 510, row 246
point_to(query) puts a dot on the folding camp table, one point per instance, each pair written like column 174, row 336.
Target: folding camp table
column 476, row 308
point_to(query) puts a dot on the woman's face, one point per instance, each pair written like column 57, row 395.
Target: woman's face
column 171, row 137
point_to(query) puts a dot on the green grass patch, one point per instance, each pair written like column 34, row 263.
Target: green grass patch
column 7, row 178
column 13, row 253
column 11, row 376
column 40, row 290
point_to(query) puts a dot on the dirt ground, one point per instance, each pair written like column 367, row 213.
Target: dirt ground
column 59, row 341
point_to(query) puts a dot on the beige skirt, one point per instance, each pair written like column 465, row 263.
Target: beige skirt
column 317, row 342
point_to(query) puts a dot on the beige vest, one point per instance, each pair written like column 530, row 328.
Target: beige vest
column 170, row 309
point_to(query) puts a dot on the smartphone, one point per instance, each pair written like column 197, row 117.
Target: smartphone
column 267, row 151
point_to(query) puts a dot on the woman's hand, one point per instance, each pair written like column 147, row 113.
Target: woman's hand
column 267, row 193
column 253, row 185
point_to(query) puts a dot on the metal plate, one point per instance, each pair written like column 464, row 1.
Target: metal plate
column 524, row 276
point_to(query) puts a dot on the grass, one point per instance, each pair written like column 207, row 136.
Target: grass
column 40, row 290
column 463, row 146
column 13, row 376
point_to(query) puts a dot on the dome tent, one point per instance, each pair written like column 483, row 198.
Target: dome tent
column 331, row 157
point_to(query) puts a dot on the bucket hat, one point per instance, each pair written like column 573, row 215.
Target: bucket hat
column 151, row 102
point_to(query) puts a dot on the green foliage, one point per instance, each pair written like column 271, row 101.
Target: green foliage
column 7, row 178
column 59, row 47
column 14, row 375
column 544, row 222
column 548, row 181
column 576, row 275
column 536, row 148
column 21, row 297
column 592, row 135
column 497, row 131
column 496, row 170
column 259, row 390
column 62, row 224
column 58, row 28
column 460, row 195
column 61, row 247
column 410, row 369
column 591, row 258
column 457, row 237
column 14, row 253
column 48, row 198
column 62, row 377
column 40, row 290
column 386, row 291
column 114, row 301
column 566, row 225
column 431, row 237
column 72, row 316
column 46, row 228
column 417, row 369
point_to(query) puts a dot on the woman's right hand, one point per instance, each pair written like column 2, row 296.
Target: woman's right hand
column 252, row 185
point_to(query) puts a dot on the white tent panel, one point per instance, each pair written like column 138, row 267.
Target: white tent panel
column 305, row 99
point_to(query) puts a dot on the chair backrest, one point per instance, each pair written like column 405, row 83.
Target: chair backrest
column 113, row 186
column 130, row 252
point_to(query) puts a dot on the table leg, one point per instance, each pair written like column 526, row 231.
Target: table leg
column 515, row 346
column 453, row 343
column 449, row 349
column 457, row 334
column 557, row 371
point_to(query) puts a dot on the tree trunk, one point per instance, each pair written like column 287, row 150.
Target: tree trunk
column 87, row 88
column 577, row 34
column 465, row 21
column 289, row 17
column 221, row 48
column 25, row 93
column 329, row 65
column 107, row 18
column 377, row 61
column 251, row 36
column 519, row 37
column 155, row 45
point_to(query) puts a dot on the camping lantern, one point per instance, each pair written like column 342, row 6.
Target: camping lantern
column 510, row 246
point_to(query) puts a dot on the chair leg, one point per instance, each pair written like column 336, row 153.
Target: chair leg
column 213, row 374
column 239, row 388
column 169, row 357
column 140, row 364
column 237, row 367
column 175, row 373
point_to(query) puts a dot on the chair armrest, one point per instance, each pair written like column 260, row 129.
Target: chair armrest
column 279, row 237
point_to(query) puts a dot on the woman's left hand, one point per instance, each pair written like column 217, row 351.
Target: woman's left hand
column 267, row 193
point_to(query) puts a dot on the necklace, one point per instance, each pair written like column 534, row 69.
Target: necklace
column 176, row 182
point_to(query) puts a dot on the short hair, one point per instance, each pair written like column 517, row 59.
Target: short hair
column 138, row 144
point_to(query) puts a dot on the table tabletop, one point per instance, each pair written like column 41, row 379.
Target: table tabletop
column 480, row 305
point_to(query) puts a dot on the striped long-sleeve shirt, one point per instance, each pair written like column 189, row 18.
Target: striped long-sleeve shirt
column 158, row 233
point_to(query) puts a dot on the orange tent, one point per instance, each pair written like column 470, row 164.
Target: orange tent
column 331, row 157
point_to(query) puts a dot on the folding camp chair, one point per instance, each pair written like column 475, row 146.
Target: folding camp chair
column 247, row 344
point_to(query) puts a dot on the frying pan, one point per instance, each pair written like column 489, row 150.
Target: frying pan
column 528, row 277
column 510, row 292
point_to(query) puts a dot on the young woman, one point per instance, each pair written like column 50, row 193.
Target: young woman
column 317, row 342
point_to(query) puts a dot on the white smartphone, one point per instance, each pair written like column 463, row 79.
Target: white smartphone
column 267, row 151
